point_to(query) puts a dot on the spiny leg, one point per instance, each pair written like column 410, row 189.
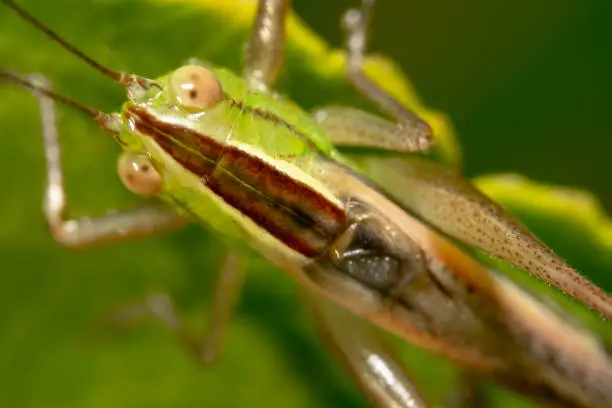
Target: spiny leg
column 417, row 133
column 160, row 307
column 114, row 226
column 265, row 49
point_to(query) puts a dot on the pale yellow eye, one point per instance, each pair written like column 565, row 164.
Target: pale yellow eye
column 138, row 174
column 195, row 87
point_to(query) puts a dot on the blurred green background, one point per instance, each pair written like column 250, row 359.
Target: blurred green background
column 526, row 85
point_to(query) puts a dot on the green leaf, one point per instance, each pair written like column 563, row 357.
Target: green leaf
column 54, row 349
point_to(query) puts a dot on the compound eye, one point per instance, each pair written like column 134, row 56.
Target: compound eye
column 195, row 88
column 138, row 174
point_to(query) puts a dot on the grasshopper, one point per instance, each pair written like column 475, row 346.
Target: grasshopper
column 227, row 151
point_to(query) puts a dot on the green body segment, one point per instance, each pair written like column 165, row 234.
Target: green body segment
column 250, row 167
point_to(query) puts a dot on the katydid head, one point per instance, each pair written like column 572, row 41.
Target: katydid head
column 188, row 90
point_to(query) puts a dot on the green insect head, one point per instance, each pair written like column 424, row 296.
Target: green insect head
column 170, row 112
column 195, row 98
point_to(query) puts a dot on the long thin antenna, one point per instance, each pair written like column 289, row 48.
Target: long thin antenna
column 21, row 81
column 115, row 76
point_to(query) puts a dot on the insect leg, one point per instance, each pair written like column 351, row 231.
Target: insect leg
column 160, row 307
column 362, row 351
column 410, row 126
column 355, row 128
column 380, row 374
column 114, row 226
column 227, row 291
column 265, row 50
